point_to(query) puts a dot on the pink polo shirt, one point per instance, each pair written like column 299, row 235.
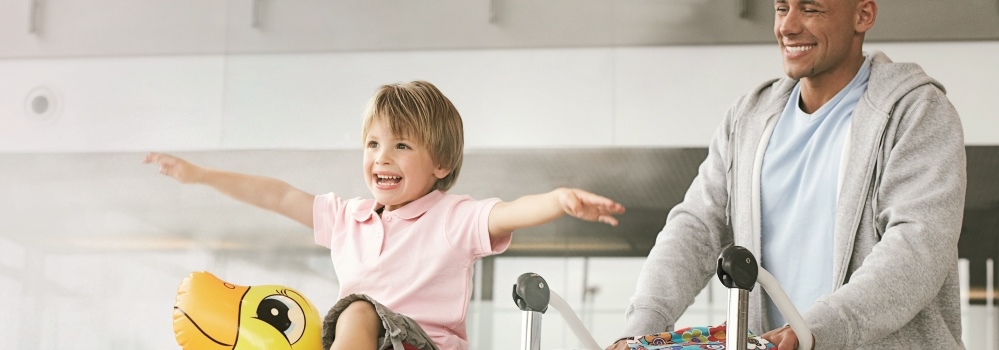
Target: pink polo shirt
column 416, row 260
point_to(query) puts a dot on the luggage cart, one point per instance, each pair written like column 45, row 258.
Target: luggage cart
column 737, row 269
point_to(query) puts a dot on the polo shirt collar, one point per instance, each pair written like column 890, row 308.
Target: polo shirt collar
column 409, row 211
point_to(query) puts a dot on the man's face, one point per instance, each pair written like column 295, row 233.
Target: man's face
column 815, row 36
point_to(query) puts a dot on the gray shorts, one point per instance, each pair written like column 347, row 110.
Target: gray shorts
column 398, row 328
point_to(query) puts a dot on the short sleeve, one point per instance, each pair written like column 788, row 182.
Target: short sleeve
column 467, row 228
column 325, row 209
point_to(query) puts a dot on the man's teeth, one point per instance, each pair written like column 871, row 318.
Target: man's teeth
column 799, row 48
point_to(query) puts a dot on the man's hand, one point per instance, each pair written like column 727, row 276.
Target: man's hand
column 619, row 345
column 784, row 338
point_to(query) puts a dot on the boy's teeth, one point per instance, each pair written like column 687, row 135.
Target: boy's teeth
column 387, row 179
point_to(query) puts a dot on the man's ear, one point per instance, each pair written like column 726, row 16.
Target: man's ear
column 867, row 12
column 441, row 172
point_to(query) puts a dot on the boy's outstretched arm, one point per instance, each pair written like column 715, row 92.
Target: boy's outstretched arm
column 264, row 192
column 534, row 210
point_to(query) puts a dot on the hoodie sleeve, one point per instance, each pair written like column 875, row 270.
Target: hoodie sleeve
column 918, row 206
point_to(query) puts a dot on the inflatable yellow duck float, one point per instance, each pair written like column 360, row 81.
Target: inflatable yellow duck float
column 211, row 314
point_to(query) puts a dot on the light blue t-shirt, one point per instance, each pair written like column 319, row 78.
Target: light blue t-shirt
column 798, row 190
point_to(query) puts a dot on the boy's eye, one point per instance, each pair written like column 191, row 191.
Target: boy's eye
column 401, row 146
column 372, row 144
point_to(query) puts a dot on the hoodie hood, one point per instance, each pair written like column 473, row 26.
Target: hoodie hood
column 889, row 82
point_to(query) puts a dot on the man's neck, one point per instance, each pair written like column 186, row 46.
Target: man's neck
column 819, row 89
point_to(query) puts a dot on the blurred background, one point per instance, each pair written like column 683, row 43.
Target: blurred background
column 617, row 97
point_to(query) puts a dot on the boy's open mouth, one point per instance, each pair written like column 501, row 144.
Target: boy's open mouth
column 387, row 179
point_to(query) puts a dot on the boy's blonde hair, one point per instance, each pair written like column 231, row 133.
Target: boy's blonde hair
column 418, row 110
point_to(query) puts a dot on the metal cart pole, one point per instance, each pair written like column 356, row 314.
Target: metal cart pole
column 531, row 294
column 739, row 271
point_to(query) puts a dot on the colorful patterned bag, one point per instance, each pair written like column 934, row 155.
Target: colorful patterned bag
column 692, row 338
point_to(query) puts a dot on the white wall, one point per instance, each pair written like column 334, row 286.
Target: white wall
column 589, row 97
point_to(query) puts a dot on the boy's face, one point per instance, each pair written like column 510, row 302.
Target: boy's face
column 397, row 169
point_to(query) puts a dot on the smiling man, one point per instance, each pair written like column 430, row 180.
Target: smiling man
column 846, row 178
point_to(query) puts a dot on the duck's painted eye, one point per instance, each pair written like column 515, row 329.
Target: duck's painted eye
column 283, row 313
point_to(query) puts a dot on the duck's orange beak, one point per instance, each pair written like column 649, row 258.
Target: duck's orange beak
column 206, row 313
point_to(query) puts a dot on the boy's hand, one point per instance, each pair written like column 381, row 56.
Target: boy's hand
column 174, row 167
column 589, row 206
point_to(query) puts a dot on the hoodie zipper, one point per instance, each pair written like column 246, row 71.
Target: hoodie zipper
column 879, row 161
column 874, row 180
column 729, row 173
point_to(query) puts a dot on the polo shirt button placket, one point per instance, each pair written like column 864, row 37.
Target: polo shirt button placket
column 374, row 247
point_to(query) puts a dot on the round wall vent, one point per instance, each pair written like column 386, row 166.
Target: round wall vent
column 42, row 104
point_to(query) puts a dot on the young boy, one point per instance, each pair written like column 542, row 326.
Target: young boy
column 405, row 258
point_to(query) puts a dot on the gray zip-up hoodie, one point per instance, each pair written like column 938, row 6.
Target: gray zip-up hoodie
column 898, row 219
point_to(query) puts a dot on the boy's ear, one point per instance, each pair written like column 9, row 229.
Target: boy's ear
column 441, row 172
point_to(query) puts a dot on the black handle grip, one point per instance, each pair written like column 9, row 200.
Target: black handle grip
column 737, row 268
column 531, row 293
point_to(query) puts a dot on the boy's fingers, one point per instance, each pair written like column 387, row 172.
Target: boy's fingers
column 606, row 203
column 589, row 206
column 610, row 220
column 616, row 208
